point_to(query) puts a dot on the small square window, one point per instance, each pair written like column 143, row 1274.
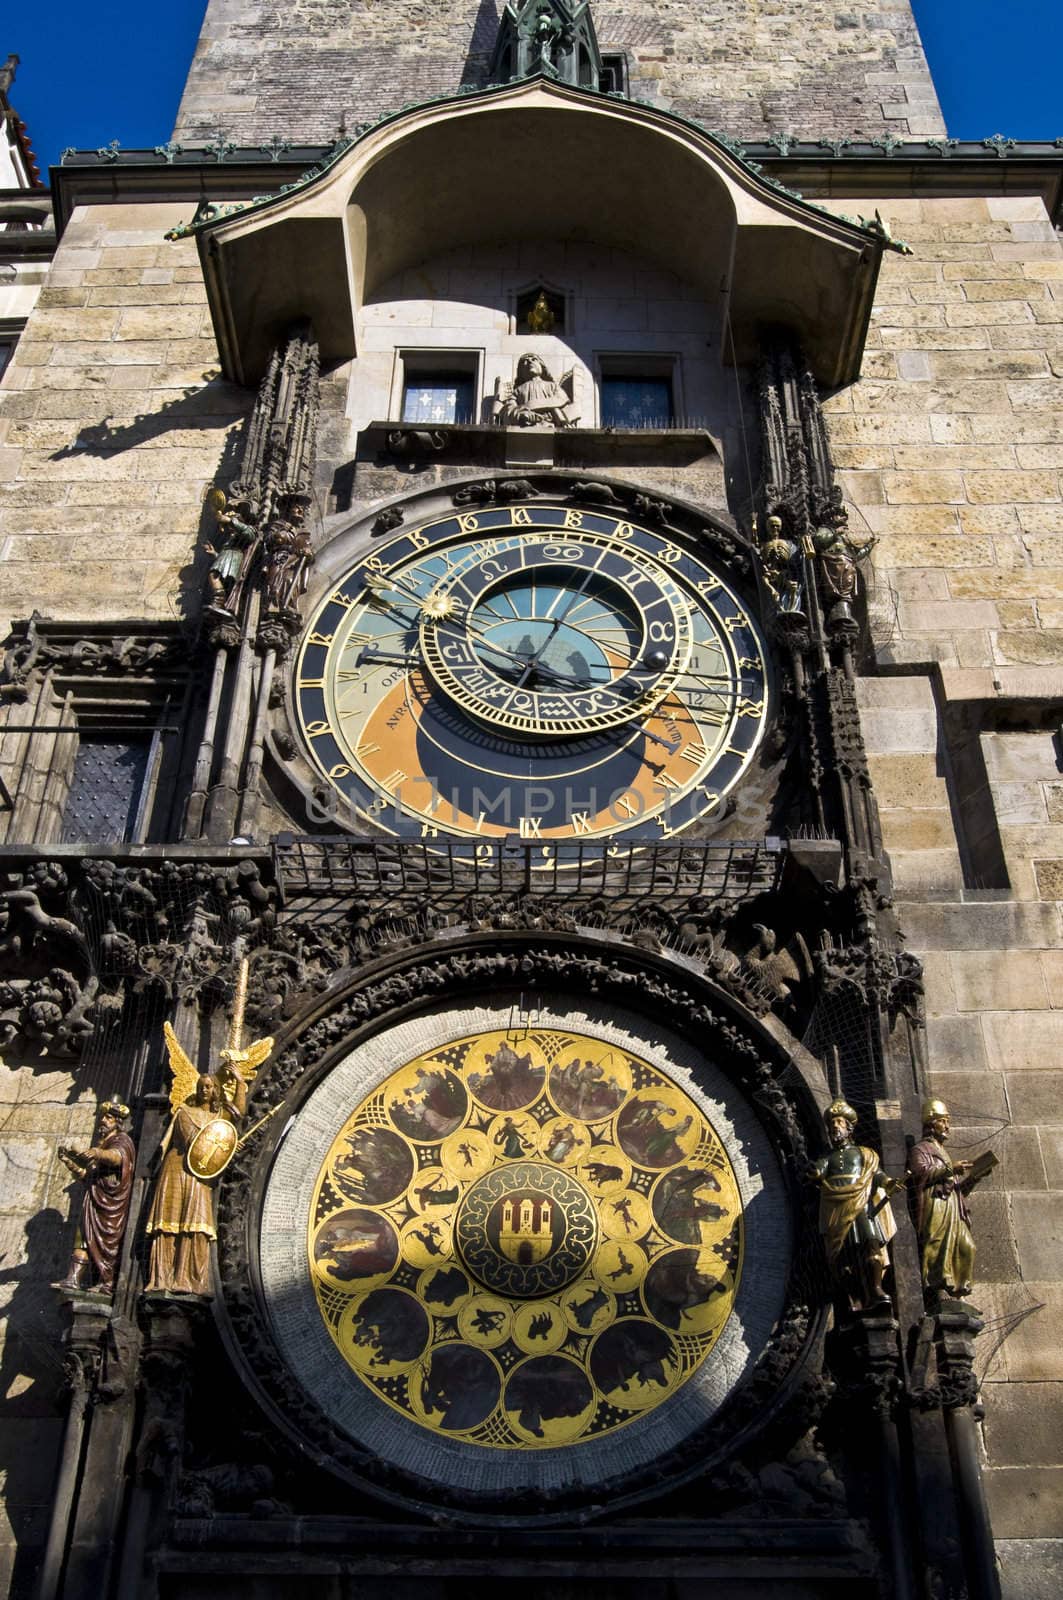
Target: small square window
column 437, row 397
column 613, row 77
column 541, row 310
column 636, row 402
column 437, row 386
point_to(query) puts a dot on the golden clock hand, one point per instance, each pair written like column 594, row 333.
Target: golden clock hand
column 369, row 656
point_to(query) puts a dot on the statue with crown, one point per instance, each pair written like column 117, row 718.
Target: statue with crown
column 198, row 1145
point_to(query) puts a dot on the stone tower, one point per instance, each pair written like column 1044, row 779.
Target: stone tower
column 531, row 543
column 304, row 72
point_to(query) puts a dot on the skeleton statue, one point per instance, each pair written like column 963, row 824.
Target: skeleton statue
column 780, row 561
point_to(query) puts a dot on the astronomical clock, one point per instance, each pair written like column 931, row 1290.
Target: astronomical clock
column 515, row 1239
column 531, row 669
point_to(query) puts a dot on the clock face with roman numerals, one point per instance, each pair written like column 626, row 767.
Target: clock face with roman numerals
column 536, row 670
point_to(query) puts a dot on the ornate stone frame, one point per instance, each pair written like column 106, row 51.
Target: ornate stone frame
column 784, row 1393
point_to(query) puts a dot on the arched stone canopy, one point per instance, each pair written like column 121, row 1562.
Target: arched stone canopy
column 523, row 160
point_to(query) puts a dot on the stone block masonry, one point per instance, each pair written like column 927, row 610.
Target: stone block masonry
column 746, row 68
column 113, row 420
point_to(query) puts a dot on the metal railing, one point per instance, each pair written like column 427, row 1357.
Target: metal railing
column 660, row 874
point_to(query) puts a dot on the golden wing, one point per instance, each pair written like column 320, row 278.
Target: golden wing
column 185, row 1074
column 253, row 1057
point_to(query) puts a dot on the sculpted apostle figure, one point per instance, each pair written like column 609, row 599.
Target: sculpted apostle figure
column 106, row 1170
column 942, row 1220
column 855, row 1217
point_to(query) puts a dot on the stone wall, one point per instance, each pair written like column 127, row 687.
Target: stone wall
column 112, row 421
column 296, row 70
column 951, row 448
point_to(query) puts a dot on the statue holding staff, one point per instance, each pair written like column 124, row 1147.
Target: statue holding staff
column 196, row 1148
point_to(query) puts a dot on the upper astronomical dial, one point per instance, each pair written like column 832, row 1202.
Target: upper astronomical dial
column 556, row 637
column 535, row 670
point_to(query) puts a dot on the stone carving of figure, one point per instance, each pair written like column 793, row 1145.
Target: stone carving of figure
column 942, row 1220
column 535, row 399
column 227, row 574
column 106, row 1170
column 781, row 565
column 547, row 34
column 838, row 553
column 855, row 1217
column 288, row 552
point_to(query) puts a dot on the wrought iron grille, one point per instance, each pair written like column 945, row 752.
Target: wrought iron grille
column 637, row 875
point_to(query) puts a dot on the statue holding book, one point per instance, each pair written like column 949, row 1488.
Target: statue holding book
column 939, row 1189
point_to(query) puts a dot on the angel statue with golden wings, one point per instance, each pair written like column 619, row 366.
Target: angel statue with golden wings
column 196, row 1148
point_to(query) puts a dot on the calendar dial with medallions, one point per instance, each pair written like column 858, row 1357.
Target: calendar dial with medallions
column 532, row 669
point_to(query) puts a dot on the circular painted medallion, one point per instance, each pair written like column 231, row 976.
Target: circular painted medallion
column 526, row 1230
column 526, row 1238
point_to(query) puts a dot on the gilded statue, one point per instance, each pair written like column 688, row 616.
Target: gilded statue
column 106, row 1170
column 535, row 400
column 939, row 1189
column 196, row 1148
column 855, row 1217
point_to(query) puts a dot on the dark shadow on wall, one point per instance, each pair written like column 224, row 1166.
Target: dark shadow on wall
column 31, row 1393
column 215, row 405
column 482, row 43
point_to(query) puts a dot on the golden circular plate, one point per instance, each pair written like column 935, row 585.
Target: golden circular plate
column 545, row 1245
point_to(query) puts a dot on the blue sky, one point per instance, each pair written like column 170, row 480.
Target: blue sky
column 113, row 70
